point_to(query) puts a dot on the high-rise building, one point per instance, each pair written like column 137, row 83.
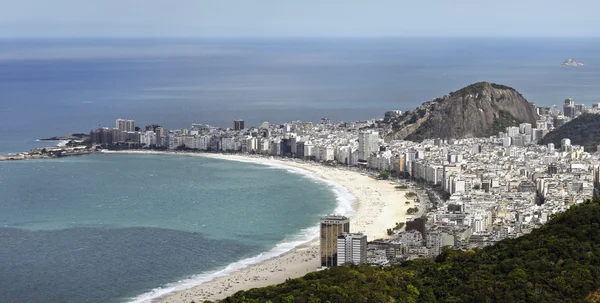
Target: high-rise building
column 368, row 142
column 352, row 248
column 152, row 127
column 148, row 138
column 104, row 136
column 525, row 128
column 161, row 136
column 238, row 124
column 512, row 131
column 331, row 228
column 125, row 125
column 569, row 108
column 434, row 239
column 565, row 144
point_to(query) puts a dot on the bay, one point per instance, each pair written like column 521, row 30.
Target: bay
column 104, row 228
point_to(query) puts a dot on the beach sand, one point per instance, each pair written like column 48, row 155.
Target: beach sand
column 378, row 205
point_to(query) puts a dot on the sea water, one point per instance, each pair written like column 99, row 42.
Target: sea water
column 114, row 228
column 118, row 227
column 53, row 87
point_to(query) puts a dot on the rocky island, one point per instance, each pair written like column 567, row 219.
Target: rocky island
column 571, row 62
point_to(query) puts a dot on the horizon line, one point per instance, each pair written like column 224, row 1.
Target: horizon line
column 292, row 37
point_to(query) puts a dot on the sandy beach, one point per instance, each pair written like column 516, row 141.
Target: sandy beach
column 377, row 206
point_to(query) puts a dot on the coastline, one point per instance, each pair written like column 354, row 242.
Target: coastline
column 376, row 206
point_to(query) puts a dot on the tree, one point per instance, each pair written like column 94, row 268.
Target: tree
column 555, row 263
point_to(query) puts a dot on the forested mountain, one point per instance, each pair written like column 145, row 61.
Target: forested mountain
column 583, row 130
column 559, row 262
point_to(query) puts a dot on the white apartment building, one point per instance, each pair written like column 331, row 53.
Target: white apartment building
column 368, row 142
column 352, row 248
column 148, row 138
column 125, row 125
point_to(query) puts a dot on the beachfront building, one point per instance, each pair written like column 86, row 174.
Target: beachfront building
column 352, row 248
column 125, row 125
column 148, row 138
column 368, row 142
column 331, row 228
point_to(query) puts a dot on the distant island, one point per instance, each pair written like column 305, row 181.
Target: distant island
column 571, row 62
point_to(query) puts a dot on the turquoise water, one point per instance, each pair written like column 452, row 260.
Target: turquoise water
column 106, row 228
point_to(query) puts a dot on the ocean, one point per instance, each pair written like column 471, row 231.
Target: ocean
column 56, row 87
column 112, row 228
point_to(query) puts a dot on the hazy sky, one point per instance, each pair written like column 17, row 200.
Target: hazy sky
column 256, row 18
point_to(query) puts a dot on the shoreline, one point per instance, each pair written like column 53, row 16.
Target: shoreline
column 376, row 206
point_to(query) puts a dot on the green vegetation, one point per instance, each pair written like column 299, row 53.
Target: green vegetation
column 412, row 210
column 413, row 118
column 472, row 89
column 422, row 132
column 401, row 187
column 122, row 146
column 477, row 88
column 399, row 226
column 504, row 120
column 500, row 86
column 559, row 262
column 410, row 194
column 384, row 175
column 583, row 130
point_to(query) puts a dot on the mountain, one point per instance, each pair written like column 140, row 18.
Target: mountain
column 583, row 130
column 478, row 110
column 558, row 262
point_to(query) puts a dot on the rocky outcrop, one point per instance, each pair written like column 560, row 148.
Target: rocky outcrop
column 478, row 110
column 571, row 62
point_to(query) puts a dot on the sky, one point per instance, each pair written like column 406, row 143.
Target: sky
column 299, row 18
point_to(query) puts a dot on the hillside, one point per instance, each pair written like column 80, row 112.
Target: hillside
column 478, row 110
column 583, row 130
column 559, row 262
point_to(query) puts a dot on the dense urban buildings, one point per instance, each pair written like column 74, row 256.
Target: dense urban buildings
column 470, row 192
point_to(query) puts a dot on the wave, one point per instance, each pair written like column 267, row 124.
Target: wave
column 344, row 200
column 62, row 143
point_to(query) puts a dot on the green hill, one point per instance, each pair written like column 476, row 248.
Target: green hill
column 583, row 130
column 559, row 262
